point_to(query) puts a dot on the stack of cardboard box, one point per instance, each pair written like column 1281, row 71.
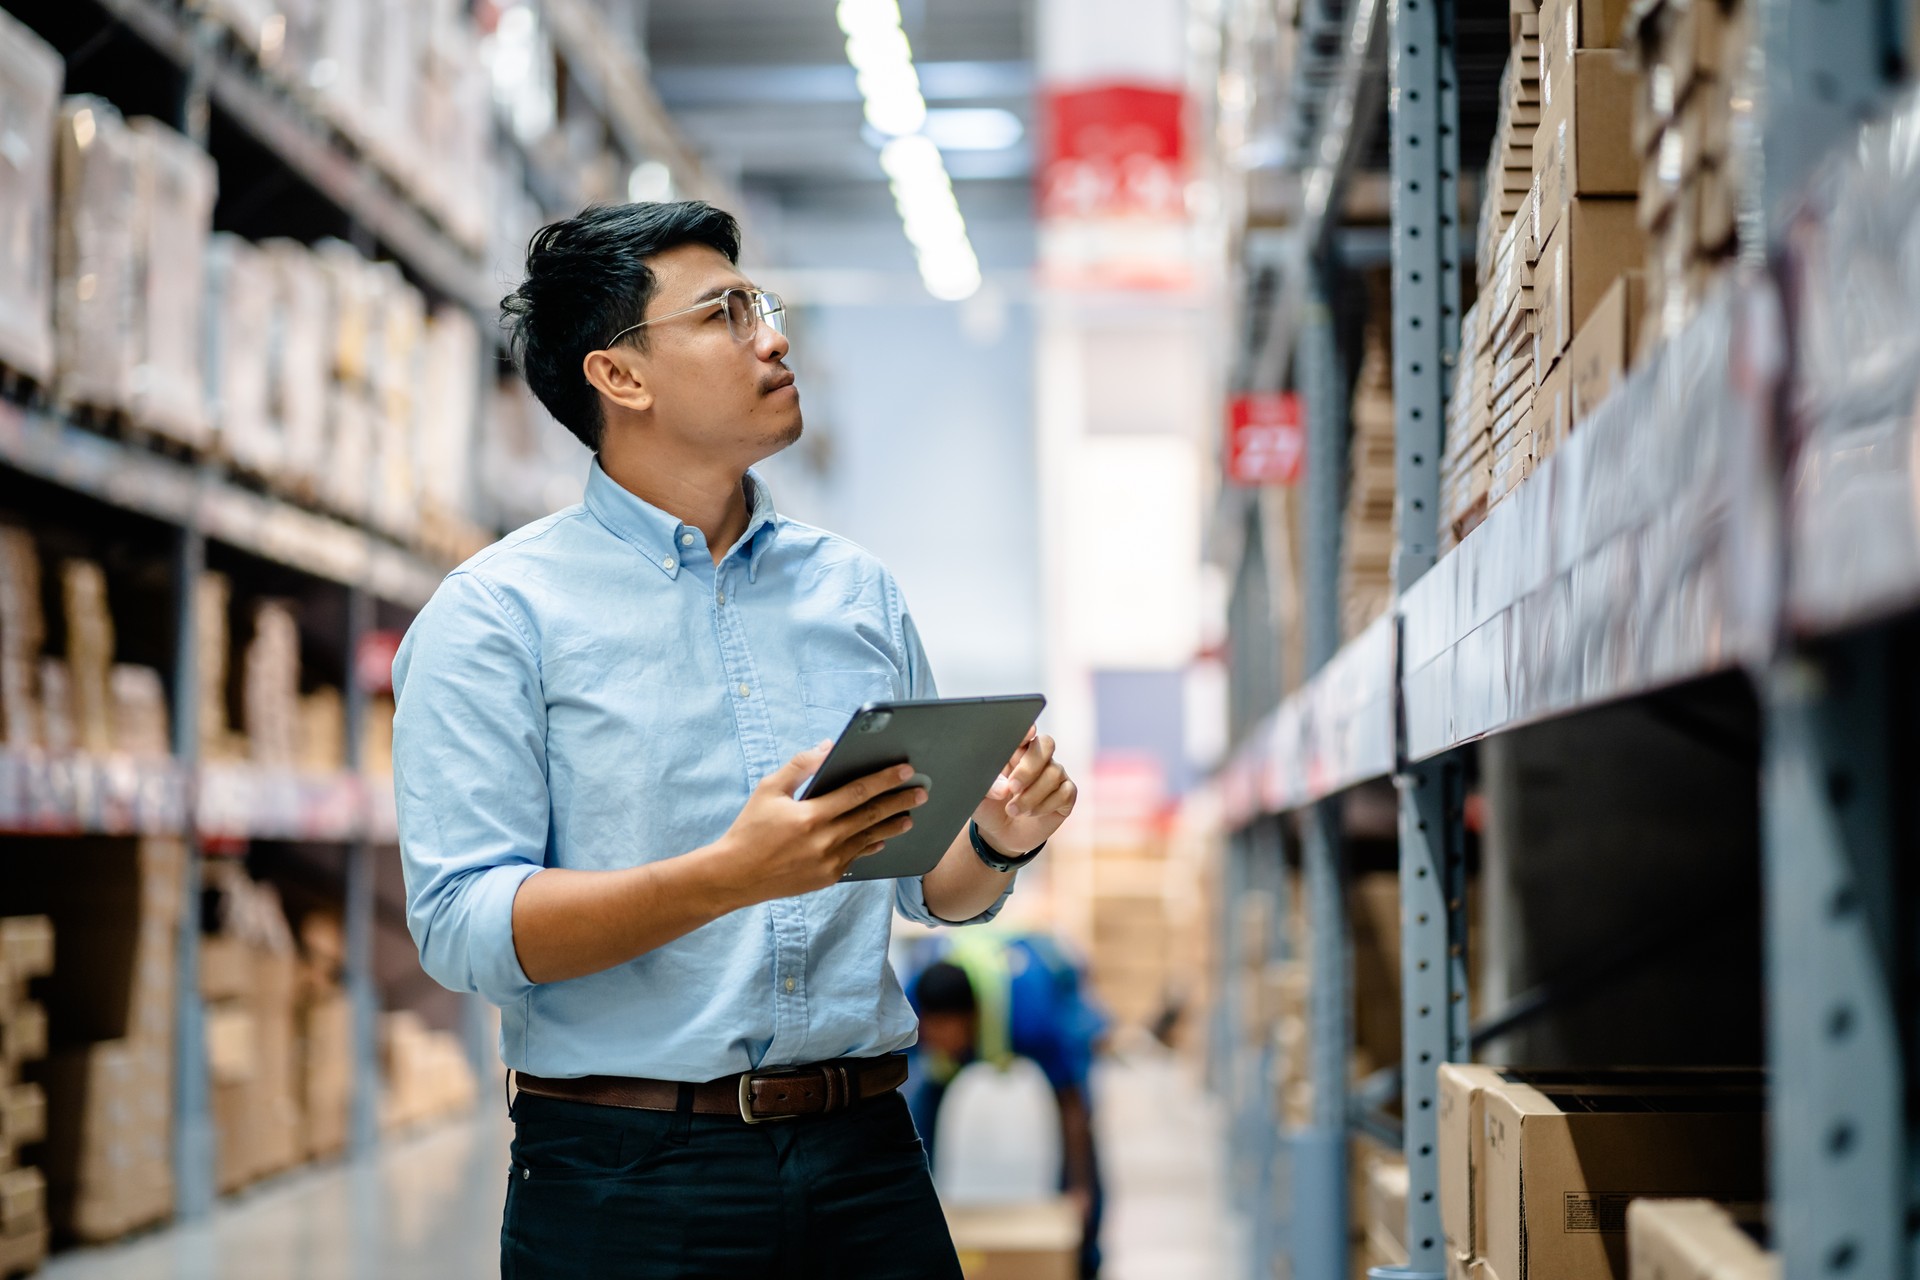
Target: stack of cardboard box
column 30, row 77
column 1466, row 464
column 248, row 977
column 1586, row 219
column 1698, row 1240
column 1017, row 1242
column 326, row 1035
column 1537, row 1168
column 1384, row 1212
column 23, row 628
column 176, row 182
column 428, row 1075
column 1691, row 56
column 270, row 686
column 89, row 653
column 1366, row 541
column 116, row 905
column 26, row 953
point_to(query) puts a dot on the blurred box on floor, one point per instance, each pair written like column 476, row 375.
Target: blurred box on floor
column 1698, row 1240
column 1017, row 1242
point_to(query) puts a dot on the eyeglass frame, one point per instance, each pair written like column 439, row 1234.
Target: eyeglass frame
column 720, row 300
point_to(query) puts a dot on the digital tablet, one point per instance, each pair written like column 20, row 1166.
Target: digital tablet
column 957, row 747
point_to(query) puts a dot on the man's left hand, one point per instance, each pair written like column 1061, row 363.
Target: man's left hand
column 1029, row 800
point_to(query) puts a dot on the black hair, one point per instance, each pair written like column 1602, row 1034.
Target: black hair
column 944, row 988
column 587, row 279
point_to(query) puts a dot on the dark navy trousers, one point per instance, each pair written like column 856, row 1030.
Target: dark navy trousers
column 612, row 1193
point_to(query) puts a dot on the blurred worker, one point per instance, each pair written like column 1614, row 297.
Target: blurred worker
column 602, row 722
column 996, row 997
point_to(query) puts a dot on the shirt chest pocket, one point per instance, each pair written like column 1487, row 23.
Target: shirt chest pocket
column 831, row 698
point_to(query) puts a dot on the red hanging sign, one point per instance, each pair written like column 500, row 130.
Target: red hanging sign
column 1265, row 439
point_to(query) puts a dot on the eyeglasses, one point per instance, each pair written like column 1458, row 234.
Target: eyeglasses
column 747, row 310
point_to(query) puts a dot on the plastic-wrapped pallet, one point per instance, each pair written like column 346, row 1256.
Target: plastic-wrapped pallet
column 339, row 68
column 30, row 76
column 401, row 326
column 302, row 365
column 96, row 277
column 177, row 181
column 242, row 311
column 353, row 287
column 449, row 408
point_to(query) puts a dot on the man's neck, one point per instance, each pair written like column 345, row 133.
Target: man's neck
column 711, row 499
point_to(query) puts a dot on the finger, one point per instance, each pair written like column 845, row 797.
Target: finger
column 1038, row 759
column 790, row 775
column 1066, row 798
column 875, row 812
column 856, row 793
column 1021, row 750
column 1036, row 797
column 1039, row 797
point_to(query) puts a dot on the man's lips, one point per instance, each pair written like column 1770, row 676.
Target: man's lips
column 784, row 378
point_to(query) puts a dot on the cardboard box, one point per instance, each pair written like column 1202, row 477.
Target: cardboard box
column 1581, row 24
column 1698, row 1240
column 1603, row 350
column 1563, row 1162
column 1596, row 242
column 109, row 1168
column 1585, row 145
column 1386, row 1207
column 1552, row 417
column 1694, row 48
column 326, row 1049
column 1017, row 1242
column 1460, row 1106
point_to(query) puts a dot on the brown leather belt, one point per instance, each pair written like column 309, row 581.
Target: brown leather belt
column 754, row 1096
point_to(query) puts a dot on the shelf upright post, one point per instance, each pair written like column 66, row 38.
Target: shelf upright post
column 1424, row 150
column 193, row 1136
column 1840, row 1138
column 194, row 1140
column 1319, row 1175
column 363, row 1116
column 1841, row 1170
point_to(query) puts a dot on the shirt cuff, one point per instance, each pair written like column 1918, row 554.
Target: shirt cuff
column 494, row 963
column 910, row 899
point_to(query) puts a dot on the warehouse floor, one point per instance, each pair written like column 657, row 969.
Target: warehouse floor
column 429, row 1207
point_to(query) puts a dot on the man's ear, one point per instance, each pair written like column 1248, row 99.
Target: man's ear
column 619, row 377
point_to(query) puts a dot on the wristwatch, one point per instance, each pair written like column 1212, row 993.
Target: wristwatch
column 1000, row 861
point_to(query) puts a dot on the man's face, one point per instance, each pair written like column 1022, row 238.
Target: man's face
column 711, row 390
column 948, row 1033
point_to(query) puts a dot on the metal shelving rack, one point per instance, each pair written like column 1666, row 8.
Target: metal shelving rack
column 200, row 505
column 1747, row 503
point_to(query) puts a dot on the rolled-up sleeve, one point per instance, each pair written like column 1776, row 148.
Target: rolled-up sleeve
column 909, row 893
column 470, row 783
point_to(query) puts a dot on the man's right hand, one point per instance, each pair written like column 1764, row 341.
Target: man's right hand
column 780, row 847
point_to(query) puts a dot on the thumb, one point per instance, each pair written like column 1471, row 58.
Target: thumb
column 789, row 775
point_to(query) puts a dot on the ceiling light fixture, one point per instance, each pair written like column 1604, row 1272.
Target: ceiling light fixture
column 882, row 61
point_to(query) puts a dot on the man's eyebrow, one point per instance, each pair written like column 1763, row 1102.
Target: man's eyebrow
column 717, row 290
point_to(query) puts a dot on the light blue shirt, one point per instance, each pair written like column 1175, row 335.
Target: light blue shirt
column 592, row 691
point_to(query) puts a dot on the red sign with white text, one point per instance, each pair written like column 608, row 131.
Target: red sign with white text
column 1116, row 150
column 1266, row 442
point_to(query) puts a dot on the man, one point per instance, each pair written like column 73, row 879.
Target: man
column 994, row 998
column 602, row 722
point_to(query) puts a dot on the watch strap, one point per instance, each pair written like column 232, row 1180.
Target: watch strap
column 995, row 859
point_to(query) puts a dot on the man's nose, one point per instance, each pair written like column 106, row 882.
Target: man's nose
column 770, row 343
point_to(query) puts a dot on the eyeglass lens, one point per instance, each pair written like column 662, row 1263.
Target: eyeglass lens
column 746, row 309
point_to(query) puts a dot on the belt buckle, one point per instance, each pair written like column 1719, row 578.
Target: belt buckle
column 746, row 1099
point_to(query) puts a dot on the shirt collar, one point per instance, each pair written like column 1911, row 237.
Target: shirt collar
column 658, row 534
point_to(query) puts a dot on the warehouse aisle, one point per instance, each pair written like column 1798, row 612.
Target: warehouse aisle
column 429, row 1207
column 1162, row 1141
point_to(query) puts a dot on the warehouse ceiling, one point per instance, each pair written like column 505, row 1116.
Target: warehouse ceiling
column 763, row 89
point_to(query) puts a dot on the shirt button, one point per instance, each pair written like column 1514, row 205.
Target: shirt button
column 720, row 597
column 666, row 562
column 686, row 539
column 789, row 986
column 745, row 691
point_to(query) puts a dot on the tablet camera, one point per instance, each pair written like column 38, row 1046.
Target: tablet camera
column 875, row 721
